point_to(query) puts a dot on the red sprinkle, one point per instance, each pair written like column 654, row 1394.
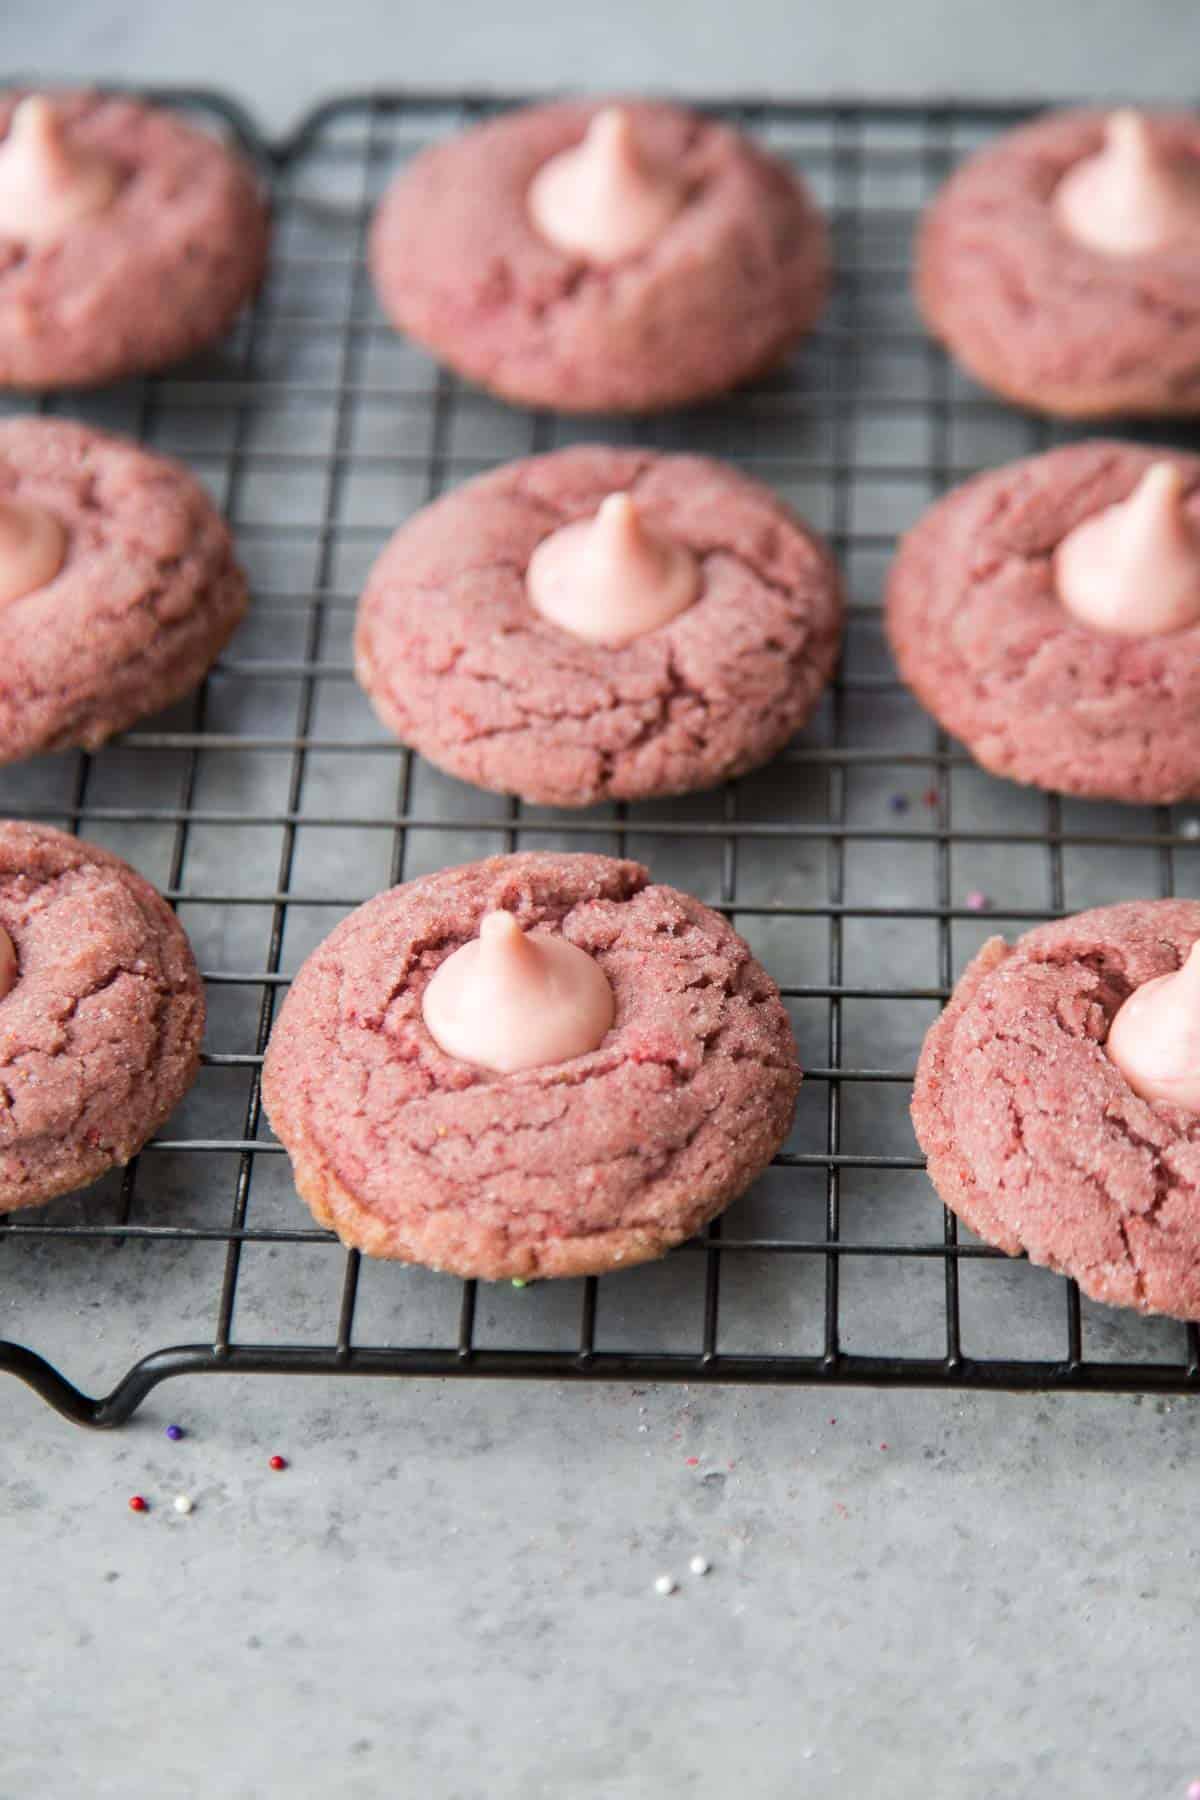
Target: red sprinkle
column 692, row 1462
column 931, row 797
column 883, row 1446
column 278, row 1462
column 137, row 1504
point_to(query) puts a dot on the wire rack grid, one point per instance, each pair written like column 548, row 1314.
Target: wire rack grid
column 271, row 803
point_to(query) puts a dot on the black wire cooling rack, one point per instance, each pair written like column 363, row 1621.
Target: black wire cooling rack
column 865, row 865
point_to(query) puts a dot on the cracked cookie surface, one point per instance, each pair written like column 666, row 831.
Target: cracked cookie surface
column 1034, row 1137
column 100, row 1033
column 152, row 278
column 459, row 665
column 1045, row 320
column 592, row 1164
column 734, row 280
column 148, row 593
column 982, row 639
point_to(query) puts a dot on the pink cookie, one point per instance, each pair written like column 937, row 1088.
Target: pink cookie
column 605, row 1160
column 985, row 643
column 1034, row 1137
column 100, row 1030
column 1045, row 319
column 147, row 595
column 146, row 280
column 460, row 665
column 733, row 279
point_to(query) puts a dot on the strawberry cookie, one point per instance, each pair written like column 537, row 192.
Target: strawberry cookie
column 1061, row 264
column 118, row 585
column 101, row 1013
column 599, row 257
column 1048, row 615
column 1058, row 1101
column 532, row 1066
column 600, row 624
column 128, row 239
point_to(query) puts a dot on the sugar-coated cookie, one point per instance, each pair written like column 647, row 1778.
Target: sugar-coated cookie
column 101, row 1013
column 1037, row 691
column 576, row 1167
column 1033, row 1134
column 462, row 665
column 128, row 238
column 706, row 262
column 118, row 585
column 1064, row 323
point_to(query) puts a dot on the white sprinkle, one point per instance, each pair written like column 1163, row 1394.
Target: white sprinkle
column 1190, row 828
column 666, row 1584
column 699, row 1565
column 182, row 1504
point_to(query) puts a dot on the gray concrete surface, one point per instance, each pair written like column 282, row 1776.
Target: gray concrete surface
column 281, row 54
column 449, row 1593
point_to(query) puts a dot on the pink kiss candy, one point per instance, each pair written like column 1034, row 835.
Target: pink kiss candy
column 32, row 547
column 47, row 183
column 610, row 579
column 8, row 963
column 511, row 1000
column 1129, row 197
column 1154, row 1038
column 1134, row 569
column 601, row 200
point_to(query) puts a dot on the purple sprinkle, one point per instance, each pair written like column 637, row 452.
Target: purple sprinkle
column 899, row 803
column 1193, row 1792
column 174, row 1432
column 977, row 902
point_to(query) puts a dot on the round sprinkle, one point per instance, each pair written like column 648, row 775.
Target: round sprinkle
column 699, row 1565
column 1193, row 1792
column 899, row 803
column 182, row 1504
column 278, row 1462
column 1191, row 829
column 174, row 1432
column 665, row 1584
column 517, row 1281
column 977, row 901
column 693, row 1462
column 138, row 1504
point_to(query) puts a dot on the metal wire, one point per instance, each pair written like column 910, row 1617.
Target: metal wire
column 271, row 803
